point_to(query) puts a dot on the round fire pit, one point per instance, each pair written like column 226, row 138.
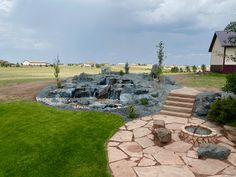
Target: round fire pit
column 197, row 134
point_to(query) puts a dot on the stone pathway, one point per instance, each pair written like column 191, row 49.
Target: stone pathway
column 132, row 152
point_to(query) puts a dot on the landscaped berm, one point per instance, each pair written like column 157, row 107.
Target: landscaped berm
column 152, row 146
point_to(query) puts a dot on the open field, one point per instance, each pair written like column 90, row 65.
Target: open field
column 39, row 141
column 25, row 82
column 16, row 75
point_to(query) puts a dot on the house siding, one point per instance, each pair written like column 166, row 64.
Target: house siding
column 230, row 51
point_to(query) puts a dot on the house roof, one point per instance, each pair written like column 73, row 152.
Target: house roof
column 223, row 37
column 30, row 61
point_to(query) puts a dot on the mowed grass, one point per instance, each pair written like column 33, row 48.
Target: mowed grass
column 208, row 80
column 39, row 141
column 16, row 75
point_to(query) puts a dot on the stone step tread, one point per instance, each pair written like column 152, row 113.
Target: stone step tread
column 182, row 95
column 179, row 104
column 177, row 109
column 180, row 99
column 177, row 114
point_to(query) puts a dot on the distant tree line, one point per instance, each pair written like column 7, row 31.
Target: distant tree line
column 188, row 69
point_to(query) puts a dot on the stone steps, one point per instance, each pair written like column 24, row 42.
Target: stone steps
column 174, row 113
column 182, row 95
column 181, row 99
column 179, row 105
column 177, row 109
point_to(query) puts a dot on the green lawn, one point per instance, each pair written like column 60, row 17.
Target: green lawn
column 40, row 141
column 208, row 80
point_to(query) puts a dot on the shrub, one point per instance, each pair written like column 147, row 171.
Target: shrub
column 188, row 69
column 230, row 85
column 144, row 101
column 203, row 67
column 131, row 111
column 175, row 69
column 223, row 111
column 127, row 68
column 194, row 68
column 121, row 73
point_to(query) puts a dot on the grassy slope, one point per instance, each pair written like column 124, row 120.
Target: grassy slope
column 38, row 141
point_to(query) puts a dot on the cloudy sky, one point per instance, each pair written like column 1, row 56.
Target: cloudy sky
column 111, row 30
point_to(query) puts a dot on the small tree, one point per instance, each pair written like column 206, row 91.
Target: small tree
column 57, row 71
column 203, row 67
column 194, row 68
column 126, row 68
column 175, row 69
column 160, row 56
column 181, row 70
column 17, row 65
column 231, row 27
column 188, row 69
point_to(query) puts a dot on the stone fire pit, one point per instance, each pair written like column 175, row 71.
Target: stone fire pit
column 197, row 134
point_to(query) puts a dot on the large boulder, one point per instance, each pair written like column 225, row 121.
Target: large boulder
column 65, row 93
column 203, row 103
column 126, row 98
column 104, row 92
column 162, row 136
column 208, row 150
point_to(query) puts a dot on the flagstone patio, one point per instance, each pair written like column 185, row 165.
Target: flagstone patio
column 132, row 152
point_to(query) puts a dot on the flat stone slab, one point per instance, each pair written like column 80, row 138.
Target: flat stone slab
column 132, row 149
column 207, row 167
column 152, row 150
column 178, row 146
column 135, row 124
column 170, row 119
column 140, row 132
column 232, row 158
column 115, row 154
column 231, row 170
column 144, row 142
column 165, row 157
column 174, row 126
column 122, row 136
column 146, row 162
column 164, row 171
column 123, row 168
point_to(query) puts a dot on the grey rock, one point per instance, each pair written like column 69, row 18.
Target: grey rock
column 81, row 94
column 154, row 71
column 104, row 92
column 66, row 93
column 126, row 98
column 208, row 150
column 203, row 103
column 162, row 136
column 140, row 91
column 167, row 80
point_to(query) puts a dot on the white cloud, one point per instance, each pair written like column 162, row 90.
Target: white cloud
column 19, row 37
column 6, row 6
column 201, row 13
